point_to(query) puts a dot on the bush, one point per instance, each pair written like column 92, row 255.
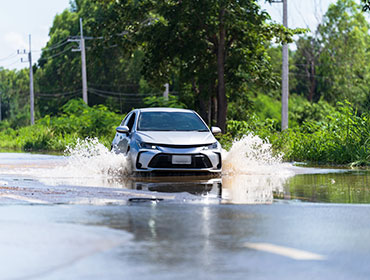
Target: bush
column 54, row 133
column 327, row 137
column 344, row 137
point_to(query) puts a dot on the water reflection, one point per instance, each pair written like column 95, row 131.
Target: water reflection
column 242, row 189
column 347, row 187
column 342, row 187
column 201, row 186
column 251, row 189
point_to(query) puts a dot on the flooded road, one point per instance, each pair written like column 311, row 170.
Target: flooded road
column 86, row 218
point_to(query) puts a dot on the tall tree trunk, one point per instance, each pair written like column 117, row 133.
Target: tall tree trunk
column 221, row 91
column 312, row 82
column 199, row 101
column 209, row 112
column 214, row 110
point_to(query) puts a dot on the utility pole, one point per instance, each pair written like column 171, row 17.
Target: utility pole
column 81, row 49
column 285, row 78
column 0, row 106
column 31, row 85
column 32, row 98
column 166, row 91
column 285, row 70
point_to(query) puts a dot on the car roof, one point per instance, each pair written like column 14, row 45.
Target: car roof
column 162, row 109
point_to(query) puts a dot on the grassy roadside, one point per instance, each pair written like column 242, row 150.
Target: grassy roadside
column 54, row 133
column 343, row 138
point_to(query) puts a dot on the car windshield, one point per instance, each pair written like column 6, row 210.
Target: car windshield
column 170, row 121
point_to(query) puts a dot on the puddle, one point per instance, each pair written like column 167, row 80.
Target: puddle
column 251, row 175
column 342, row 187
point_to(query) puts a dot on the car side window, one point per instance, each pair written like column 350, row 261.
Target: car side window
column 125, row 120
column 131, row 121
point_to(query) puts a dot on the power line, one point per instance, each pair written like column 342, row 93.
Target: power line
column 110, row 85
column 58, row 93
column 57, row 45
column 57, row 54
column 52, row 96
column 6, row 66
column 13, row 54
column 132, row 94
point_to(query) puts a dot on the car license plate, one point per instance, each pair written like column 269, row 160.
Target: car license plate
column 181, row 159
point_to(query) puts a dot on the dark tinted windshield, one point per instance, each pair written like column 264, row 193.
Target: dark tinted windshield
column 170, row 121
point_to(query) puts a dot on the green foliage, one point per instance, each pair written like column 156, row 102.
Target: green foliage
column 160, row 101
column 301, row 110
column 327, row 136
column 342, row 138
column 213, row 49
column 55, row 133
column 14, row 88
column 345, row 57
column 266, row 129
column 334, row 63
column 266, row 107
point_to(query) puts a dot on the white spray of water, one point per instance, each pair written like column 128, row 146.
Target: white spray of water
column 88, row 163
column 249, row 155
column 91, row 158
column 252, row 173
column 252, row 155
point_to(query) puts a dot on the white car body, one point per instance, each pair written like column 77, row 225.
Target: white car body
column 171, row 150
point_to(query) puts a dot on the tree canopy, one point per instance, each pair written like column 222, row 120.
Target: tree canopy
column 221, row 58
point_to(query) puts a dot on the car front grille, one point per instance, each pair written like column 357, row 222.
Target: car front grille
column 165, row 161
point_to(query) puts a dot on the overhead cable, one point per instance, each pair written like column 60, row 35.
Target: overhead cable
column 13, row 54
column 120, row 93
column 57, row 54
column 59, row 93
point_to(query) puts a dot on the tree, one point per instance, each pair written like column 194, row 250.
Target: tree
column 113, row 73
column 14, row 86
column 214, row 47
column 366, row 5
column 306, row 63
column 58, row 71
column 344, row 61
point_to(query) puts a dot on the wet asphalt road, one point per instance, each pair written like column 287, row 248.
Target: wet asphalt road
column 166, row 240
column 73, row 229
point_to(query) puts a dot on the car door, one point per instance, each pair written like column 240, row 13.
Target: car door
column 124, row 139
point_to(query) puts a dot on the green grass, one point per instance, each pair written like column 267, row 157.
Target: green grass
column 340, row 138
column 54, row 133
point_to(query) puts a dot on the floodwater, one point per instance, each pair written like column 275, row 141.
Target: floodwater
column 83, row 216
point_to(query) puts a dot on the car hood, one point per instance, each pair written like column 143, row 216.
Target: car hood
column 176, row 137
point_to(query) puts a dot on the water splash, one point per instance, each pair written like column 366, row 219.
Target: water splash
column 90, row 163
column 89, row 157
column 87, row 163
column 252, row 155
column 252, row 173
column 249, row 155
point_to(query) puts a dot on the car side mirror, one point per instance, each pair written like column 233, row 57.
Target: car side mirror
column 123, row 129
column 215, row 130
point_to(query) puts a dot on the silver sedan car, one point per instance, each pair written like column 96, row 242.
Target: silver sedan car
column 167, row 139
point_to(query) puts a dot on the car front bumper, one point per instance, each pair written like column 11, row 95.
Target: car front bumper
column 160, row 159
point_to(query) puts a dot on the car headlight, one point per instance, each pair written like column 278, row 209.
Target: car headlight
column 144, row 145
column 213, row 146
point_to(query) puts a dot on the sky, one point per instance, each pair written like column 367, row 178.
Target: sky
column 19, row 18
